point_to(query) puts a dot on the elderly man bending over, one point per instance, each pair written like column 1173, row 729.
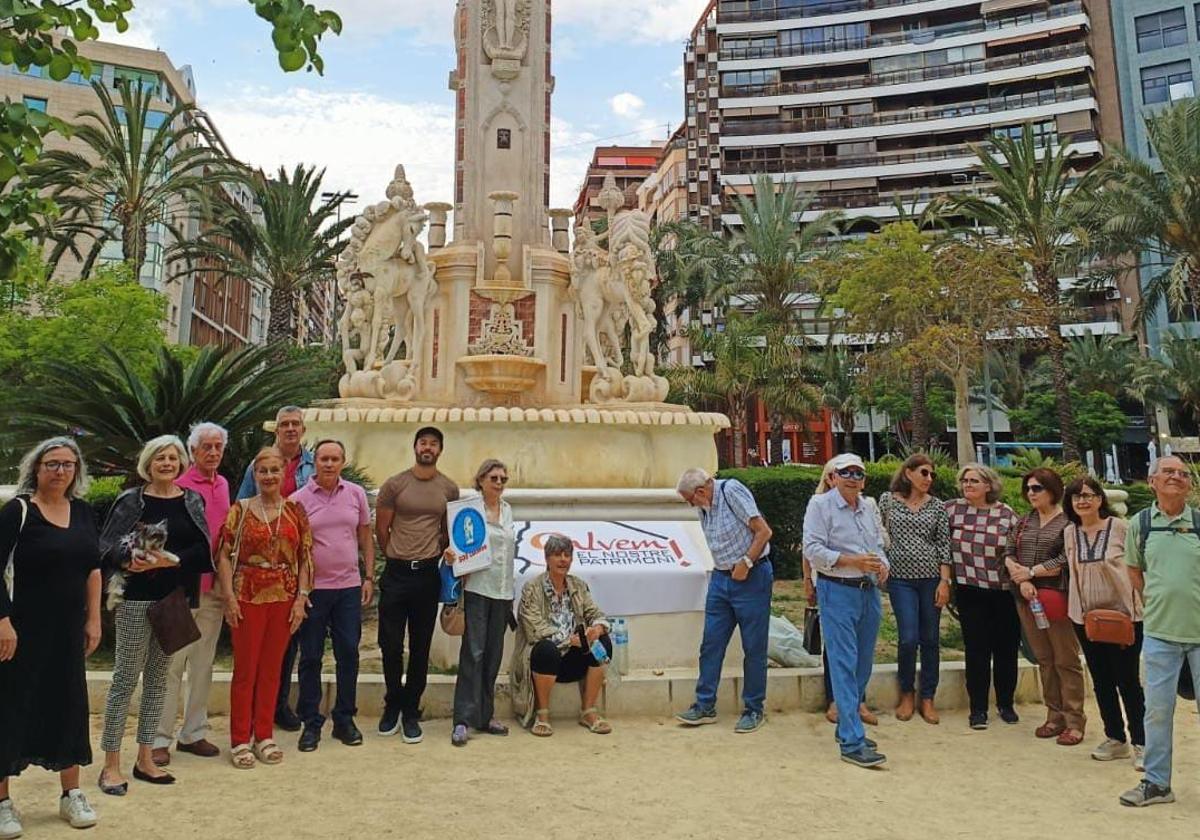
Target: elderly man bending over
column 739, row 594
column 842, row 539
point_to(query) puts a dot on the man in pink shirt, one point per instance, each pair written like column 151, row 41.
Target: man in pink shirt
column 341, row 528
column 207, row 444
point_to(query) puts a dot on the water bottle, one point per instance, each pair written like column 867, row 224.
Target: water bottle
column 620, row 636
column 1039, row 614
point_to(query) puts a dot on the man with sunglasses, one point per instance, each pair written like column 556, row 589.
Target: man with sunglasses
column 843, row 541
column 739, row 594
column 1164, row 566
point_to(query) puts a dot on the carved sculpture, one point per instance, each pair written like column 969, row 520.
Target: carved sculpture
column 386, row 259
column 505, row 35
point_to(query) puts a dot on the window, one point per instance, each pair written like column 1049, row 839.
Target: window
column 1167, row 82
column 35, row 104
column 1161, row 29
column 77, row 78
column 148, row 82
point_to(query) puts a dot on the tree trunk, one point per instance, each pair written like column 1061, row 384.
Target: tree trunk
column 776, row 442
column 737, row 422
column 279, row 324
column 133, row 246
column 962, row 416
column 920, row 408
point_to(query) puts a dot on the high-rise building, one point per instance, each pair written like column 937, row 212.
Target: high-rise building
column 629, row 166
column 199, row 309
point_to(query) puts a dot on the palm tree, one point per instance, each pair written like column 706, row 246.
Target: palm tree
column 138, row 169
column 287, row 245
column 114, row 410
column 840, row 390
column 1153, row 211
column 1045, row 211
column 1182, row 354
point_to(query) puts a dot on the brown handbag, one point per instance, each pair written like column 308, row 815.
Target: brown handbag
column 172, row 623
column 453, row 618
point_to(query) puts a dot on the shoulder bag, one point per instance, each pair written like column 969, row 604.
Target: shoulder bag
column 172, row 623
column 1103, row 626
column 9, row 569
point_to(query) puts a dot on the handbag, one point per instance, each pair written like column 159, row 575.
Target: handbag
column 172, row 623
column 10, row 562
column 1105, row 626
column 453, row 619
column 812, row 630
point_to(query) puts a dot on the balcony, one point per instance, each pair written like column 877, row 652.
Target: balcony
column 792, row 164
column 891, row 39
column 910, row 115
column 900, row 77
column 789, row 10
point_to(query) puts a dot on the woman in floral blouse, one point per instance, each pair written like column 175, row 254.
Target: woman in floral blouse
column 265, row 567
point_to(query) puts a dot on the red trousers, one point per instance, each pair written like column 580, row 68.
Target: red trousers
column 259, row 642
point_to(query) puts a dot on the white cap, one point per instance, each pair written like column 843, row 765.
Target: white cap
column 847, row 459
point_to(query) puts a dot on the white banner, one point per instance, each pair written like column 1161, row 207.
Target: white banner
column 633, row 568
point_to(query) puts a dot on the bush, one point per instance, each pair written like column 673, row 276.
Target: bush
column 1140, row 497
column 103, row 492
column 782, row 494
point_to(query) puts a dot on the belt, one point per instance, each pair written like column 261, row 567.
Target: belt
column 856, row 582
column 412, row 565
column 766, row 558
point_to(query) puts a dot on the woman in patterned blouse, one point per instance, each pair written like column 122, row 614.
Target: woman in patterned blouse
column 264, row 561
column 979, row 528
column 1036, row 565
column 919, row 582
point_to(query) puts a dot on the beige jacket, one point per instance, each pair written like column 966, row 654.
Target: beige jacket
column 533, row 625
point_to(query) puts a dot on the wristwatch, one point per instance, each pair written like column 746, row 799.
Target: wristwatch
column 746, row 559
column 304, row 593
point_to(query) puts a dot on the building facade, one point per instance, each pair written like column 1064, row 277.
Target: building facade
column 630, row 166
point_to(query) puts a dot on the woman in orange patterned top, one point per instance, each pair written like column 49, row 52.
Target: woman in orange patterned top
column 264, row 561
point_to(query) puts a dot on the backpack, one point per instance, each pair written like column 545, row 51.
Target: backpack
column 1144, row 528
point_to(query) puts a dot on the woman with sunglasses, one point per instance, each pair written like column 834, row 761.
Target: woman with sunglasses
column 487, row 604
column 1095, row 547
column 1036, row 567
column 919, row 584
column 979, row 527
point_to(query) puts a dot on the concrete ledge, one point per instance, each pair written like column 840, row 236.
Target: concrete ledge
column 638, row 694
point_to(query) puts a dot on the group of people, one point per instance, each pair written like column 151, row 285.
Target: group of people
column 290, row 563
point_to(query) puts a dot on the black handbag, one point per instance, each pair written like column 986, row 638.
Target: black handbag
column 812, row 630
column 172, row 623
column 1187, row 688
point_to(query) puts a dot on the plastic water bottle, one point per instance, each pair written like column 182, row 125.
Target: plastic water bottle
column 1039, row 614
column 620, row 634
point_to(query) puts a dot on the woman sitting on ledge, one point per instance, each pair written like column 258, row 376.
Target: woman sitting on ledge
column 554, row 607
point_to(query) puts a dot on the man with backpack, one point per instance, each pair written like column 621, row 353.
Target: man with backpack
column 1162, row 551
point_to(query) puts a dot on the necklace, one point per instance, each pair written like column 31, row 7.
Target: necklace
column 272, row 526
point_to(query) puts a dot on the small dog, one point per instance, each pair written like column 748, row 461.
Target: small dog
column 143, row 539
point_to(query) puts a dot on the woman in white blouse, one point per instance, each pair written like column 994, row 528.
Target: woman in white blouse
column 487, row 604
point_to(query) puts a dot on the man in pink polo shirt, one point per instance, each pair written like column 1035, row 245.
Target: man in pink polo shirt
column 341, row 528
column 207, row 444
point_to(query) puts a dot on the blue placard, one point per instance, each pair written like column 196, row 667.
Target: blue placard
column 468, row 532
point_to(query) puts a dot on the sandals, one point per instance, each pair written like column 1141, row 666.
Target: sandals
column 1070, row 738
column 1049, row 730
column 598, row 725
column 542, row 728
column 268, row 752
column 242, row 758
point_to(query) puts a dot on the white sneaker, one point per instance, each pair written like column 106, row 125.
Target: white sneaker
column 10, row 821
column 1139, row 758
column 74, row 808
column 1110, row 750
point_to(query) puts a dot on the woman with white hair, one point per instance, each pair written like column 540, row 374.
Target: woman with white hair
column 154, row 541
column 49, row 623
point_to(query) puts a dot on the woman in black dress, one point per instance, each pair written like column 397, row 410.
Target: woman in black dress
column 49, row 623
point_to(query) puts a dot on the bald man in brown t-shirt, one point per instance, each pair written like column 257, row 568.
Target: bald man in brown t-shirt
column 410, row 524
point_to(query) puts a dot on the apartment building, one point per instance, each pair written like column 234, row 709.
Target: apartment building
column 629, row 166
column 199, row 309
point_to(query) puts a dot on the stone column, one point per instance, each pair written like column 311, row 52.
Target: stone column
column 502, row 230
column 437, row 222
column 559, row 227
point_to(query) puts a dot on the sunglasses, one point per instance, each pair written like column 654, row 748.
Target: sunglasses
column 852, row 473
column 1034, row 488
column 925, row 471
column 501, row 479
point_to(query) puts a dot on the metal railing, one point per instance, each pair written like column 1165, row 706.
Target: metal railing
column 785, row 10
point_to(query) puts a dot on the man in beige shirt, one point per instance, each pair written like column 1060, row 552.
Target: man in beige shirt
column 410, row 523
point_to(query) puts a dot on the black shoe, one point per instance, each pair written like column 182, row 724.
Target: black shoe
column 389, row 724
column 310, row 738
column 111, row 789
column 348, row 734
column 866, row 757
column 978, row 720
column 1009, row 715
column 164, row 779
column 412, row 731
column 287, row 720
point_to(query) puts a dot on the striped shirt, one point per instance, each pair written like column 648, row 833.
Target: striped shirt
column 726, row 523
column 1031, row 544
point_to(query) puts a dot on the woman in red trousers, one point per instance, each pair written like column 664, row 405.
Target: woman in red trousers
column 264, row 561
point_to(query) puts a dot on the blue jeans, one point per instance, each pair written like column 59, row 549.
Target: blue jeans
column 918, row 622
column 337, row 612
column 849, row 626
column 746, row 605
column 1162, row 661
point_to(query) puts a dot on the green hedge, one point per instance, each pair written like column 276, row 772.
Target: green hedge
column 782, row 494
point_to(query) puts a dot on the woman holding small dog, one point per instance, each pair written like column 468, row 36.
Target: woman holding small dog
column 154, row 540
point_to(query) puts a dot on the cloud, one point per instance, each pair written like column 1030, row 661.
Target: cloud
column 627, row 105
column 639, row 21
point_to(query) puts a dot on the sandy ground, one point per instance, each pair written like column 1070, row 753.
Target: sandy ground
column 651, row 779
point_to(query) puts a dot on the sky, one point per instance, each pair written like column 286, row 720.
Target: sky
column 384, row 100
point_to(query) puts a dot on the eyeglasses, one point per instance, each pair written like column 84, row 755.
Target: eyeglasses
column 58, row 466
column 1174, row 473
column 1034, row 488
column 1086, row 497
column 970, row 481
column 498, row 479
column 852, row 473
column 925, row 471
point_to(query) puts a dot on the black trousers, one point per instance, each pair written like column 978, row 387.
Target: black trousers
column 282, row 701
column 1116, row 678
column 408, row 605
column 568, row 667
column 479, row 659
column 991, row 638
